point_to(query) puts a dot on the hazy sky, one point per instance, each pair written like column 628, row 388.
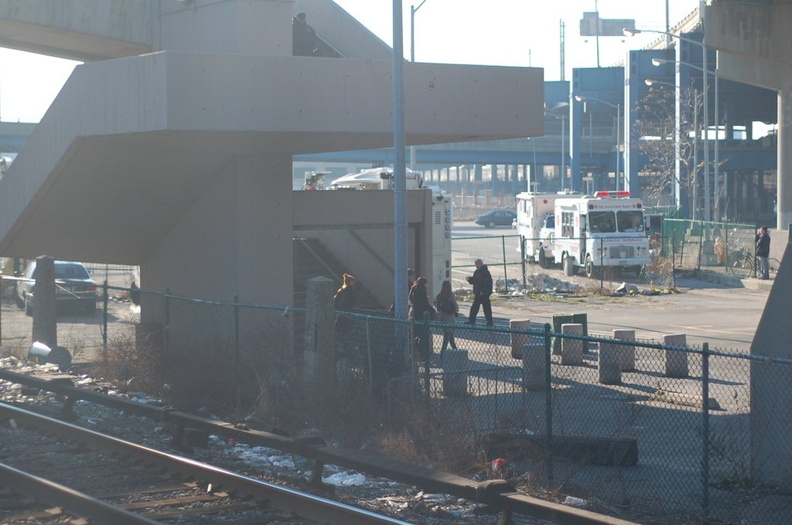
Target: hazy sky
column 495, row 32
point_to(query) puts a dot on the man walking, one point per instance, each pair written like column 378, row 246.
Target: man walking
column 482, row 289
column 763, row 252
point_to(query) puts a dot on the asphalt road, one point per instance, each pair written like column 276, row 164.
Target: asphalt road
column 724, row 316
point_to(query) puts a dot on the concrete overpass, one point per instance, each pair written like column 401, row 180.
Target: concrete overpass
column 179, row 159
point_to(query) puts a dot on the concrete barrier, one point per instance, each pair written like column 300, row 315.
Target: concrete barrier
column 572, row 349
column 626, row 352
column 534, row 358
column 676, row 362
column 518, row 340
column 455, row 372
column 609, row 364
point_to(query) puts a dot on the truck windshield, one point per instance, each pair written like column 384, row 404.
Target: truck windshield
column 630, row 221
column 602, row 222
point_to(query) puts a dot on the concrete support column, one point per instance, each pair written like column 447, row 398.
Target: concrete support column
column 45, row 326
column 572, row 349
column 676, row 362
column 627, row 352
column 784, row 209
column 319, row 356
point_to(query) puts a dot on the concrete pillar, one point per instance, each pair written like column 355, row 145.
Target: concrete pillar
column 45, row 326
column 771, row 398
column 455, row 376
column 784, row 155
column 319, row 355
column 518, row 340
column 676, row 362
column 534, row 364
column 572, row 349
column 627, row 352
column 609, row 364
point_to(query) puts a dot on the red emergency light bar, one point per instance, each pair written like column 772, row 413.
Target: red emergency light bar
column 611, row 193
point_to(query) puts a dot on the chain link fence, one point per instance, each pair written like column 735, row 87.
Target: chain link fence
column 716, row 246
column 646, row 427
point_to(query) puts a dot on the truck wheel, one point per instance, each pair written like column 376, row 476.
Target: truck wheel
column 490, row 224
column 542, row 258
column 569, row 266
column 637, row 269
column 28, row 307
column 590, row 270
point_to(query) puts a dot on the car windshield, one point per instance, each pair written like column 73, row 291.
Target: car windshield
column 68, row 271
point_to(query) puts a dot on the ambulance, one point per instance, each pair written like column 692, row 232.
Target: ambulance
column 606, row 230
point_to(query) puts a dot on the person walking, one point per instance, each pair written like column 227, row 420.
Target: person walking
column 447, row 308
column 482, row 289
column 763, row 253
column 304, row 41
column 419, row 305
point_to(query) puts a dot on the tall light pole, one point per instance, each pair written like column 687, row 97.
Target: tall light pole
column 580, row 98
column 413, row 10
column 400, row 182
column 705, row 89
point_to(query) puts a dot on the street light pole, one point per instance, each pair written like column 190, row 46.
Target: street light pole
column 705, row 89
column 581, row 98
column 413, row 10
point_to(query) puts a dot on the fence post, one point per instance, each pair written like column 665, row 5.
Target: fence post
column 166, row 327
column 705, row 474
column 549, row 401
column 522, row 260
column 505, row 274
column 601, row 265
column 105, row 301
column 236, row 345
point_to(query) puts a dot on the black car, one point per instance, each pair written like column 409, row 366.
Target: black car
column 73, row 286
column 496, row 218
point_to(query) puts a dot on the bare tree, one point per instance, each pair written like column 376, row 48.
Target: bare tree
column 655, row 138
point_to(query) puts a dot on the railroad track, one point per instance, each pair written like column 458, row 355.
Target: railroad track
column 497, row 494
column 56, row 472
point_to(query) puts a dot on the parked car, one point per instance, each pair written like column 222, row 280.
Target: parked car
column 496, row 218
column 73, row 287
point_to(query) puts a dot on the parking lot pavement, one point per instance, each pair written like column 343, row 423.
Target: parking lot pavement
column 705, row 310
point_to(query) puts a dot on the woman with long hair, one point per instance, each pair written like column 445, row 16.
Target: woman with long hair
column 447, row 307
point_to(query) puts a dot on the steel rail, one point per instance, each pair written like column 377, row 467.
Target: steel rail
column 74, row 501
column 300, row 504
column 497, row 493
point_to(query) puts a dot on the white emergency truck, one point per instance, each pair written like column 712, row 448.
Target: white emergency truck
column 600, row 231
column 442, row 213
column 536, row 225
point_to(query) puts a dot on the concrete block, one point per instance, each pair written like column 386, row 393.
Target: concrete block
column 455, row 375
column 572, row 349
column 676, row 362
column 518, row 340
column 626, row 352
column 535, row 364
column 609, row 364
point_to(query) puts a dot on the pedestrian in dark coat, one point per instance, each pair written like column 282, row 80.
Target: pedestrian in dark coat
column 419, row 305
column 763, row 253
column 304, row 41
column 482, row 289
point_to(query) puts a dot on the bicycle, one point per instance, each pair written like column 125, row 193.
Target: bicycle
column 747, row 266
